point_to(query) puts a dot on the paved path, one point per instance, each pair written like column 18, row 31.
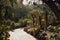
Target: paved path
column 19, row 34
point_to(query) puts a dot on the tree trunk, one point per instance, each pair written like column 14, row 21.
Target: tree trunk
column 0, row 12
column 40, row 21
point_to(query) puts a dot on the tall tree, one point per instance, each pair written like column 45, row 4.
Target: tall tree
column 6, row 4
column 53, row 7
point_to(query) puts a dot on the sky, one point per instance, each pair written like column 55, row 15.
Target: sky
column 26, row 2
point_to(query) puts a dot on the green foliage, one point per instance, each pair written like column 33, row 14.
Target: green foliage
column 55, row 37
column 26, row 16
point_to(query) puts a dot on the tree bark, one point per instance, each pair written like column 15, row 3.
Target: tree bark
column 0, row 12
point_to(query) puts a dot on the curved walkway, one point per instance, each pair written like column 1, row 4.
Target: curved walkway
column 19, row 34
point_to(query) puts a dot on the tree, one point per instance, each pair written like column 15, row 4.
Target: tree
column 53, row 7
column 6, row 4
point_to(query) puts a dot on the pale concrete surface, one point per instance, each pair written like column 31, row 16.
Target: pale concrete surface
column 19, row 34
